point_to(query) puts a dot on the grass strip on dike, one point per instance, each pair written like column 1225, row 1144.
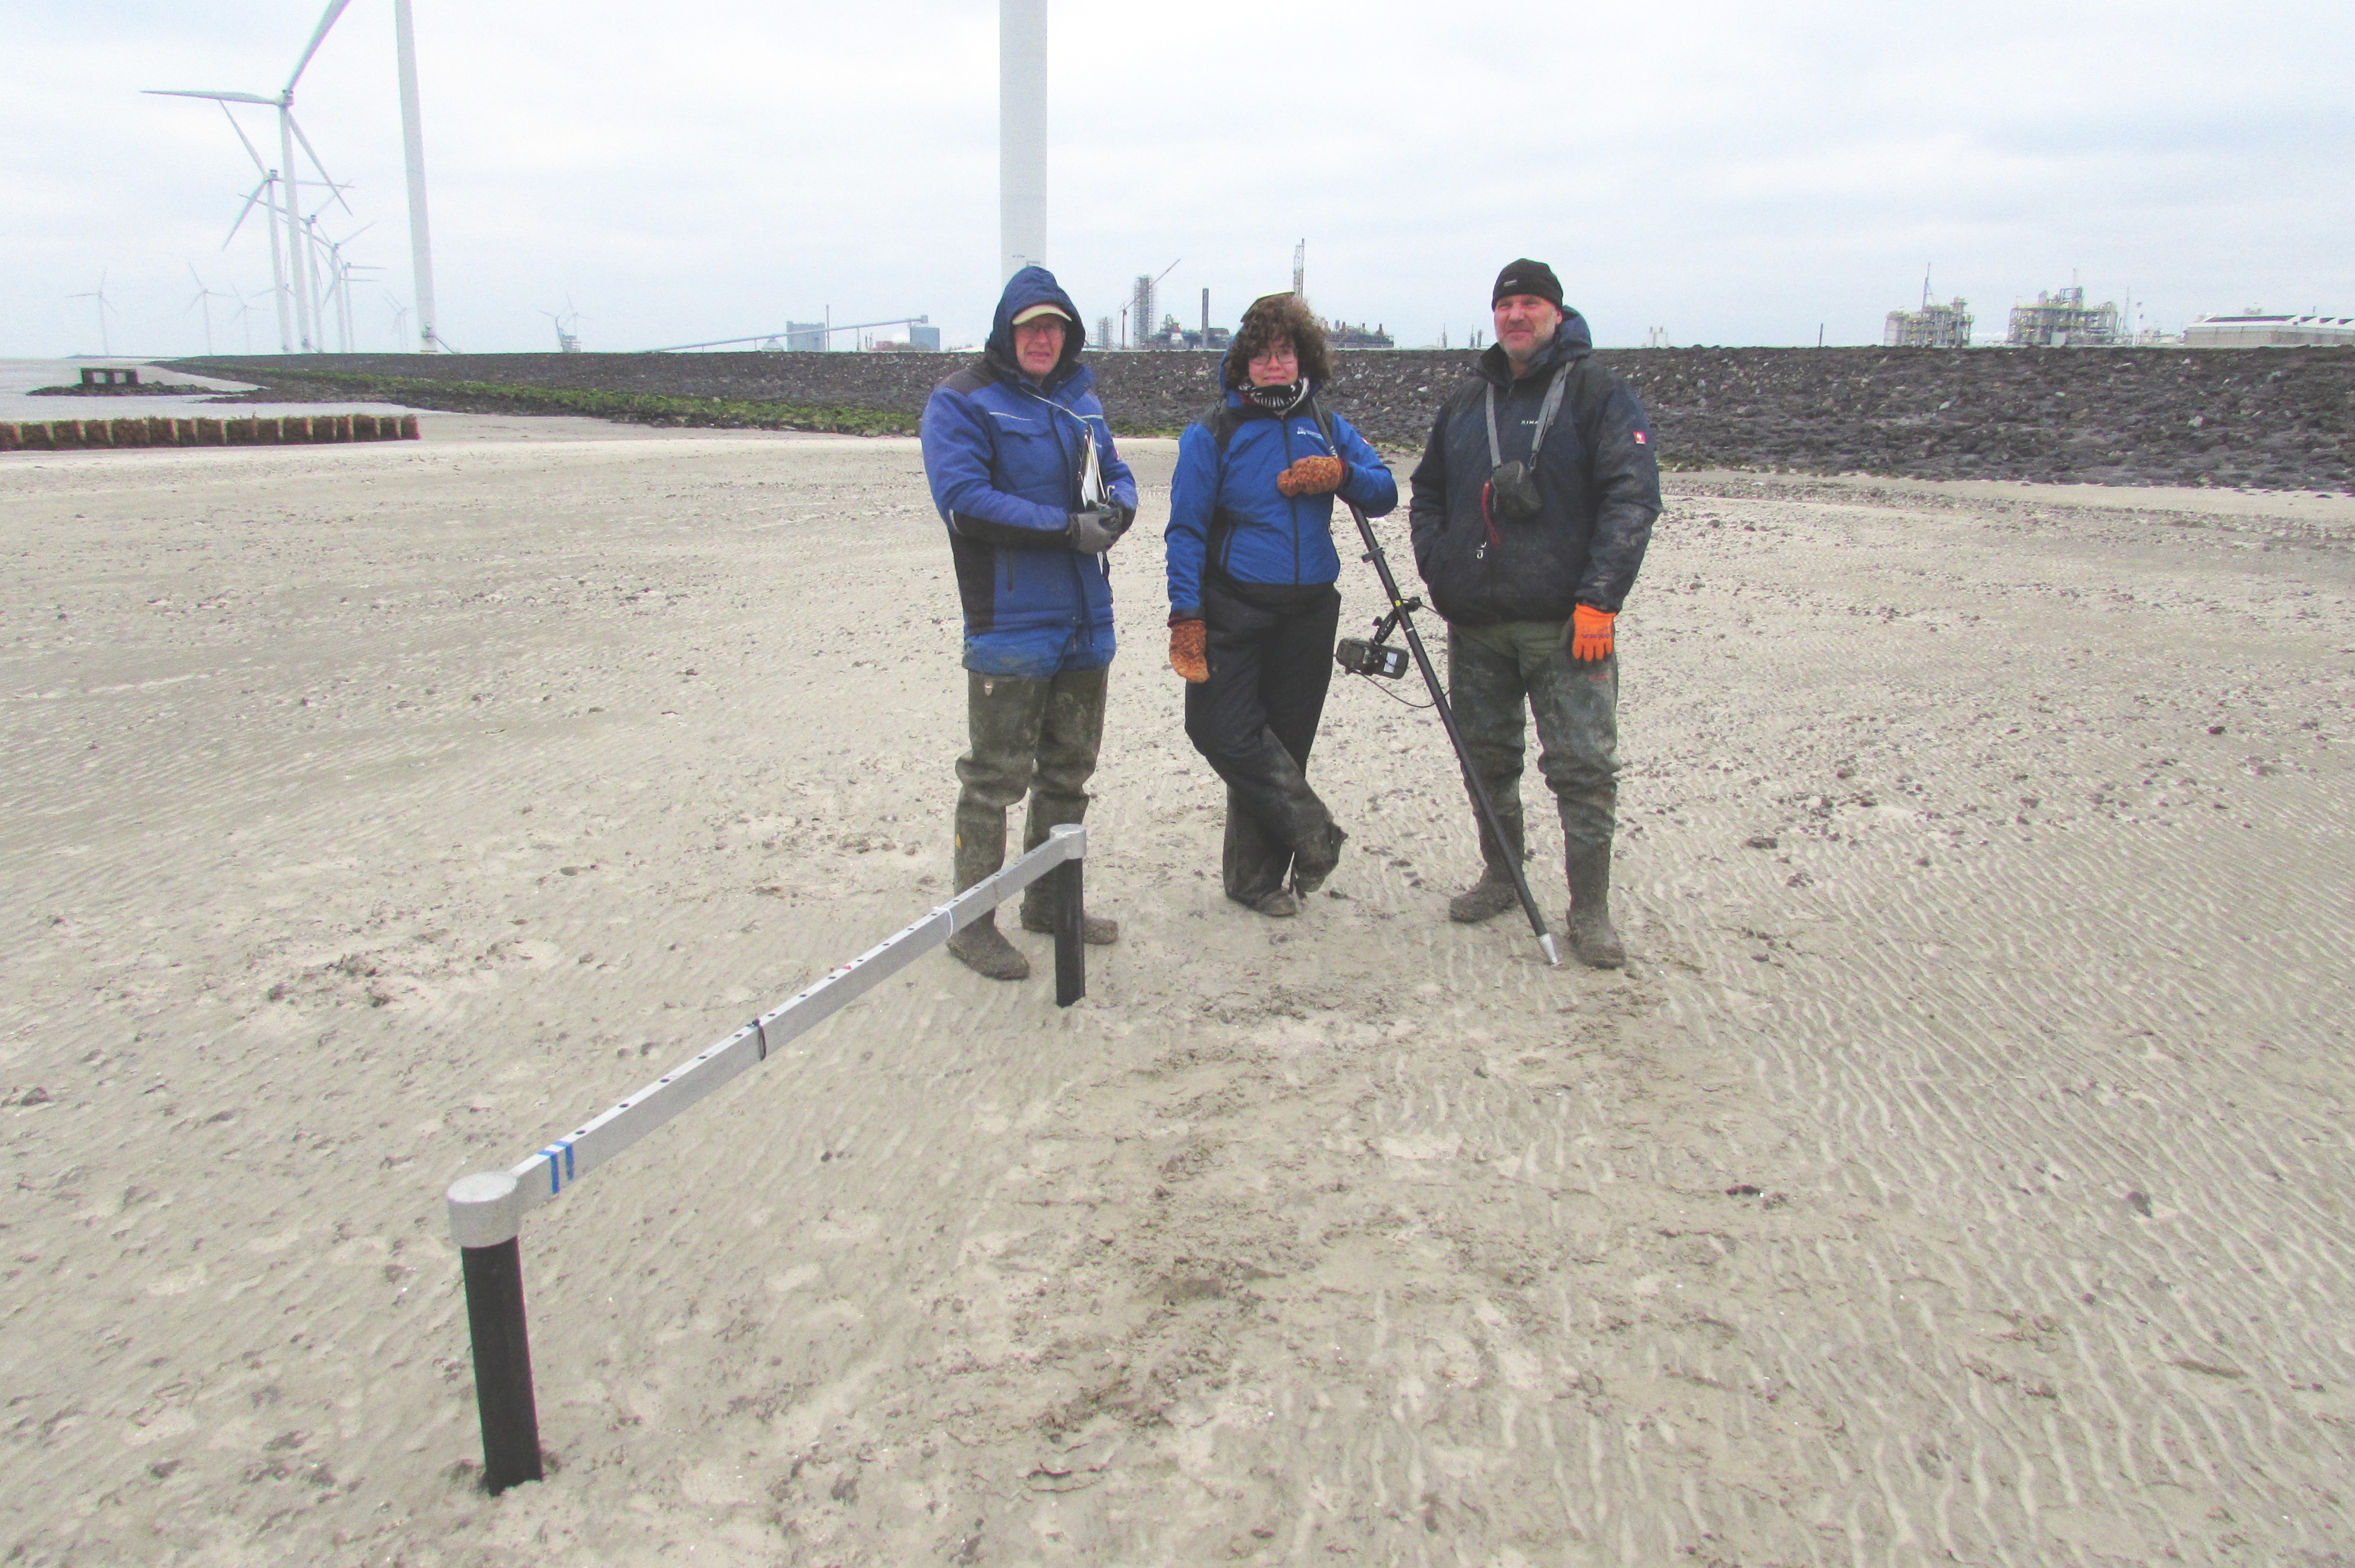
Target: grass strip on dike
column 631, row 408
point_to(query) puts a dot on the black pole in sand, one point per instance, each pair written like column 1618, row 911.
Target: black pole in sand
column 1070, row 922
column 480, row 1208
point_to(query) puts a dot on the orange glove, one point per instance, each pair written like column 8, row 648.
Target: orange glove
column 1189, row 652
column 1313, row 476
column 1590, row 632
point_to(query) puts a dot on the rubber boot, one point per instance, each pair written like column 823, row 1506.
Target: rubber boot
column 1039, row 899
column 980, row 854
column 1312, row 865
column 1039, row 915
column 1253, row 865
column 1494, row 893
column 1591, row 939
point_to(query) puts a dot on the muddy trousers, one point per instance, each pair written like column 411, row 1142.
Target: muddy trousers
column 1495, row 674
column 1254, row 721
column 1037, row 737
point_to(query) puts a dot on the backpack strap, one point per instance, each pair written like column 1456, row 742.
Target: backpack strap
column 1547, row 409
column 1222, row 420
column 1589, row 386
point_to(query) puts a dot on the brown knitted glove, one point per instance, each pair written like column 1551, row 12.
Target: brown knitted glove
column 1189, row 651
column 1313, row 476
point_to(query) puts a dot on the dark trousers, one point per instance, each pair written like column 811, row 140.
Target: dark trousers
column 1271, row 657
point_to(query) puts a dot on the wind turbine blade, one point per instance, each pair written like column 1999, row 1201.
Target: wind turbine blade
column 318, row 36
column 332, row 185
column 241, row 137
column 245, row 209
column 217, row 97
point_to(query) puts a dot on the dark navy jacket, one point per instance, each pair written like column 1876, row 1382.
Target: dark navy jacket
column 1597, row 483
column 1005, row 455
column 1262, row 536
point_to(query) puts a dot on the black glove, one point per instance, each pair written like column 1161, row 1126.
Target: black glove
column 1092, row 533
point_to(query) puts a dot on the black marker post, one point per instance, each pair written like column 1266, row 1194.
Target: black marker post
column 487, row 1219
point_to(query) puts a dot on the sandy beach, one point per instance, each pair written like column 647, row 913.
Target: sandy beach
column 1958, row 1173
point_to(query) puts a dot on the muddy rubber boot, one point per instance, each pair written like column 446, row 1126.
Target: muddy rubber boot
column 1252, row 863
column 1279, row 905
column 1310, row 866
column 1039, row 899
column 1591, row 939
column 1039, row 915
column 980, row 853
column 1494, row 893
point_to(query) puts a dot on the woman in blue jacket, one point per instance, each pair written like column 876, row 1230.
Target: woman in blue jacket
column 1252, row 607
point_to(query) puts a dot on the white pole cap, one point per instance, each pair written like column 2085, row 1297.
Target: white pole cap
column 485, row 1209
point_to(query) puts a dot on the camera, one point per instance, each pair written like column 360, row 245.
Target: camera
column 1514, row 487
column 1359, row 656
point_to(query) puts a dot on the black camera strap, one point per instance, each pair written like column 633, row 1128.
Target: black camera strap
column 1546, row 412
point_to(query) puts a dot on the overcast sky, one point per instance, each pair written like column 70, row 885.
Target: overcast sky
column 1733, row 174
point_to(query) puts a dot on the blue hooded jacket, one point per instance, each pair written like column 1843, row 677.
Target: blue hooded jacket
column 1005, row 455
column 1226, row 512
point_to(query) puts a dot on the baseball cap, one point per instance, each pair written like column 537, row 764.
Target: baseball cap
column 1035, row 312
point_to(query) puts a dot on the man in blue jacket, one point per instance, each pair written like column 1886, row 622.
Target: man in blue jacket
column 1532, row 507
column 1023, row 468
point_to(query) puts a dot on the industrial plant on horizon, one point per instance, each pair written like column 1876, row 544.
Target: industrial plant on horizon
column 2060, row 318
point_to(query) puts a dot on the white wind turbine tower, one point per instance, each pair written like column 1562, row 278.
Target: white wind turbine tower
column 289, row 132
column 412, row 150
column 105, row 343
column 244, row 317
column 265, row 186
column 340, row 274
column 1021, row 134
column 206, row 295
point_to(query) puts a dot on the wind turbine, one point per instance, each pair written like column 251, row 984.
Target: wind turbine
column 336, row 291
column 205, row 296
column 244, row 317
column 105, row 343
column 267, row 185
column 568, row 341
column 289, row 132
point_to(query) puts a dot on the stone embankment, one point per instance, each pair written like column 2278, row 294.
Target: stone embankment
column 76, row 435
column 2270, row 419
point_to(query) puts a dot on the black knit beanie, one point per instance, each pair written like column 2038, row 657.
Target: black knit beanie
column 1527, row 277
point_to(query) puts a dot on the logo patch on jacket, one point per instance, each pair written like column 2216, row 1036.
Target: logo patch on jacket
column 1640, row 440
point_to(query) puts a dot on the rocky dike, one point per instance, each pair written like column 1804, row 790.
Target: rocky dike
column 2258, row 419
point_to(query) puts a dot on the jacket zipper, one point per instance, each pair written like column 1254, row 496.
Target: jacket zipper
column 1295, row 504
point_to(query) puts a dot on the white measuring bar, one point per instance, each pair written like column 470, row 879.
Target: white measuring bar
column 488, row 1208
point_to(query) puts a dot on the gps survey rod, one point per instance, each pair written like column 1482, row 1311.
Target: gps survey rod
column 1401, row 611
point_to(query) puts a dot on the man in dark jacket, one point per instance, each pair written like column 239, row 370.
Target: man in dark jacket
column 1532, row 506
column 1024, row 471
